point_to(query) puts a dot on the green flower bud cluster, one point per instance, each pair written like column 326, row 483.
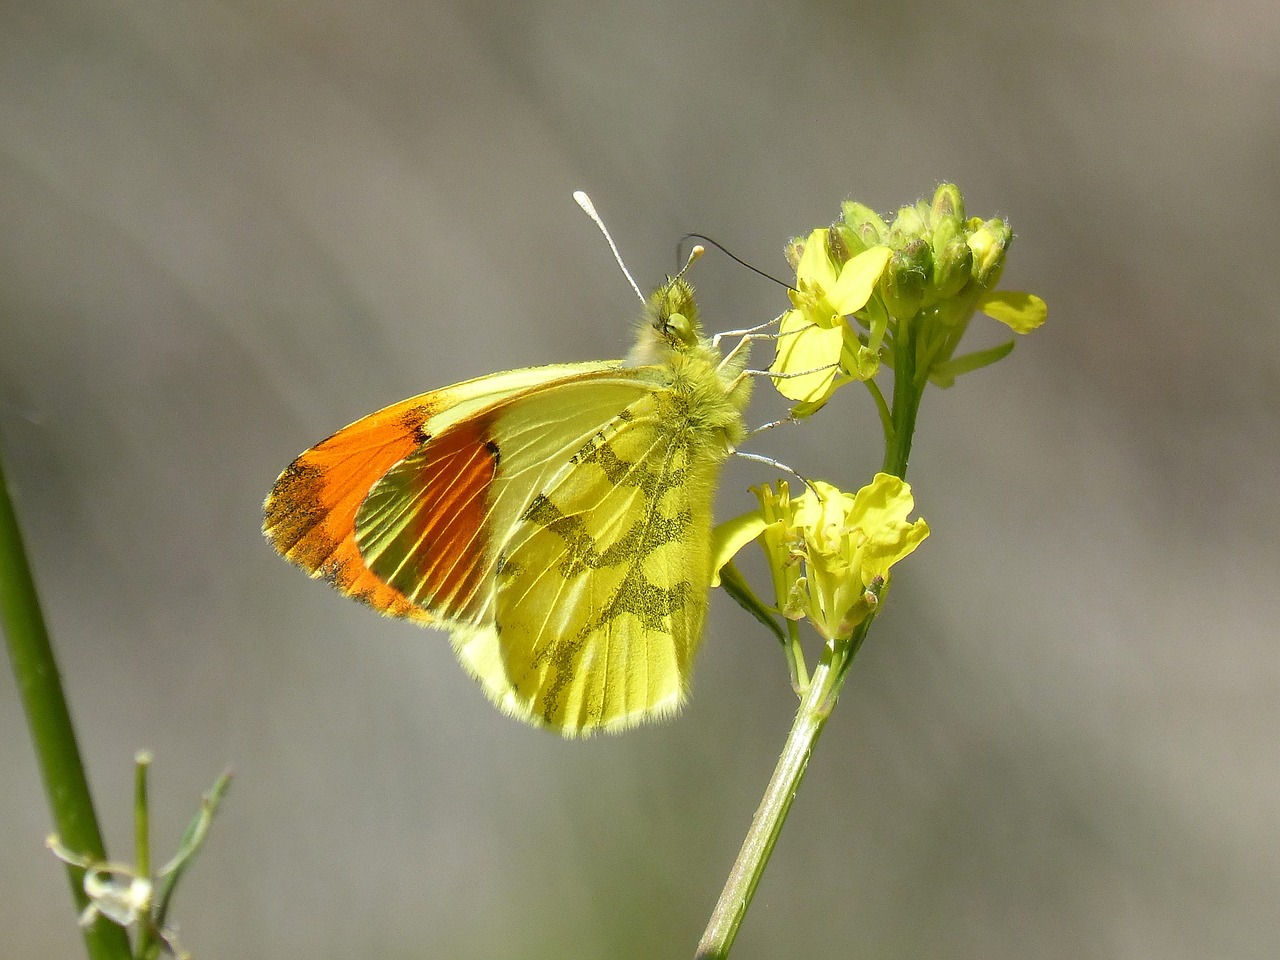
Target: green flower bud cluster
column 937, row 254
column 919, row 279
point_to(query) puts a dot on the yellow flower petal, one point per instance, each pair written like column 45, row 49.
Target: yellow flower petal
column 731, row 536
column 1020, row 312
column 886, row 500
column 815, row 266
column 808, row 350
column 858, row 279
column 882, row 508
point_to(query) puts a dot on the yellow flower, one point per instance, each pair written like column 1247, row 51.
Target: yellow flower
column 910, row 291
column 813, row 335
column 830, row 552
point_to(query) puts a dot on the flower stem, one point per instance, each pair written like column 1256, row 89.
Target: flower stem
column 906, row 402
column 811, row 717
column 36, row 672
column 821, row 694
column 142, row 838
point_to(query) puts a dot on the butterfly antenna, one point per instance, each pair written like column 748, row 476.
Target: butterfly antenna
column 589, row 209
column 725, row 250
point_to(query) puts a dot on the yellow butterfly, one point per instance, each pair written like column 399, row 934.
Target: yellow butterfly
column 555, row 520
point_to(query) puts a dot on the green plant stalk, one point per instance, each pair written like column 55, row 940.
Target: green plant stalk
column 142, row 838
column 811, row 717
column 820, row 697
column 796, row 667
column 192, row 840
column 141, row 814
column 906, row 402
column 39, row 684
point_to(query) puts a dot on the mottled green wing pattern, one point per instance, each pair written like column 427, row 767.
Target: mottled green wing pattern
column 602, row 585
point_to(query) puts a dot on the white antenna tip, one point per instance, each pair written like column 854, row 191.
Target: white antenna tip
column 589, row 209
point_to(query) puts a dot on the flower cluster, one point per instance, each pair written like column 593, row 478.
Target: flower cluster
column 866, row 288
column 829, row 552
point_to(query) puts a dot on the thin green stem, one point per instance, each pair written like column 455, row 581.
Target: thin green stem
column 49, row 719
column 823, row 689
column 142, row 838
column 767, row 823
column 766, row 826
column 906, row 402
column 736, row 586
column 141, row 815
column 886, row 417
column 192, row 840
column 798, row 669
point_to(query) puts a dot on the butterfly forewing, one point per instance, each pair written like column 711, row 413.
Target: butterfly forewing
column 310, row 513
column 433, row 527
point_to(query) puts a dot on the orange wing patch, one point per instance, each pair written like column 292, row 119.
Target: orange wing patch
column 311, row 511
column 424, row 526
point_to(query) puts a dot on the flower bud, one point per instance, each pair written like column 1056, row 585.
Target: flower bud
column 989, row 243
column 865, row 223
column 904, row 281
column 853, row 242
column 952, row 268
column 944, row 231
column 837, row 249
column 908, row 225
column 794, row 251
column 948, row 204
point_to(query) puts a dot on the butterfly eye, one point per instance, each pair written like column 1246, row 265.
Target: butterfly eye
column 677, row 328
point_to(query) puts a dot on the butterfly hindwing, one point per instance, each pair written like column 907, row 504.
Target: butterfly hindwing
column 602, row 589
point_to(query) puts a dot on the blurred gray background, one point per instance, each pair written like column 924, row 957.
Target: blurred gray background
column 227, row 229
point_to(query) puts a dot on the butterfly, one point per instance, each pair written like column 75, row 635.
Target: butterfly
column 555, row 520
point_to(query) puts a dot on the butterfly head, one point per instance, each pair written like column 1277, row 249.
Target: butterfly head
column 673, row 313
column 670, row 326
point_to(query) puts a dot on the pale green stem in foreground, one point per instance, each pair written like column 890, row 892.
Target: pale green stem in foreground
column 815, row 707
column 823, row 689
column 141, row 815
column 882, row 408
